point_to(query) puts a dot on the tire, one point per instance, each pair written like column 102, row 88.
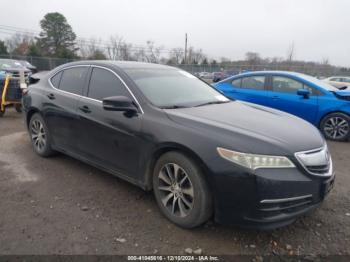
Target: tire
column 336, row 127
column 193, row 204
column 18, row 108
column 40, row 136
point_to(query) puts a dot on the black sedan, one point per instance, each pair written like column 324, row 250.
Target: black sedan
column 164, row 130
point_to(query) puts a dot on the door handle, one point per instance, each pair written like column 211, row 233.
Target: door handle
column 51, row 96
column 85, row 109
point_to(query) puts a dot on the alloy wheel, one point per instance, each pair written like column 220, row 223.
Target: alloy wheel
column 176, row 190
column 38, row 135
column 336, row 127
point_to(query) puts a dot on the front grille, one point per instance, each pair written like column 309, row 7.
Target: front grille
column 17, row 74
column 316, row 162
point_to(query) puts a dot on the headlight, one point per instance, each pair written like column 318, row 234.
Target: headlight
column 253, row 161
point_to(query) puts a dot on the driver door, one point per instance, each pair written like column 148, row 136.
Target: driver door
column 283, row 96
column 108, row 138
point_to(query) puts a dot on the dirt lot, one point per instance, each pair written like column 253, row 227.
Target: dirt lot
column 62, row 206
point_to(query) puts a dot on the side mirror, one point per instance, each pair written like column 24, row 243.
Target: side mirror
column 119, row 103
column 303, row 92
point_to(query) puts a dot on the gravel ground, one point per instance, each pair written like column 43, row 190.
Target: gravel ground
column 62, row 206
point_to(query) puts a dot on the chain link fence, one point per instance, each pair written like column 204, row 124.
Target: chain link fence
column 41, row 63
column 313, row 70
column 48, row 63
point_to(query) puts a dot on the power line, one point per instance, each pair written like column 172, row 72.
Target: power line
column 11, row 30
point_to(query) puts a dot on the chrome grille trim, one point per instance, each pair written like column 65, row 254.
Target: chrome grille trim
column 311, row 160
column 282, row 200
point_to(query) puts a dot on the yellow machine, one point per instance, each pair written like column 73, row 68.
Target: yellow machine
column 7, row 100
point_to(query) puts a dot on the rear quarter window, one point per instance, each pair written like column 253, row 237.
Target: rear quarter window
column 73, row 80
column 55, row 80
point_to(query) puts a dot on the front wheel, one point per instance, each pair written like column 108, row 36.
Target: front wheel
column 336, row 126
column 181, row 191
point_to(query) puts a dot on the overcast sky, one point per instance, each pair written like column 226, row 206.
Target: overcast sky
column 319, row 28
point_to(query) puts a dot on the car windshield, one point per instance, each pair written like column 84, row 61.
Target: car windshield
column 320, row 83
column 172, row 88
column 25, row 63
column 8, row 63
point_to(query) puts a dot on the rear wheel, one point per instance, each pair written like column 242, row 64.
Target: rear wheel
column 40, row 136
column 336, row 126
column 181, row 192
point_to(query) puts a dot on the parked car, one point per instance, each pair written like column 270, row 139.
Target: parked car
column 218, row 76
column 205, row 75
column 340, row 82
column 13, row 67
column 315, row 101
column 28, row 65
column 202, row 154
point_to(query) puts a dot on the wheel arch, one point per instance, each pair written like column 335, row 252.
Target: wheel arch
column 170, row 147
column 30, row 113
column 331, row 112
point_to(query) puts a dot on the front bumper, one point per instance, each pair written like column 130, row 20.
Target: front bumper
column 267, row 198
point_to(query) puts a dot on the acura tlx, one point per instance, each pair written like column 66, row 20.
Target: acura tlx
column 165, row 130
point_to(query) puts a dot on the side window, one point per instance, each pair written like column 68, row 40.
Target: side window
column 253, row 82
column 313, row 91
column 105, row 84
column 73, row 79
column 286, row 85
column 237, row 82
column 55, row 80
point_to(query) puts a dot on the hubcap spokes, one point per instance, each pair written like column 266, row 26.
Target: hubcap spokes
column 38, row 134
column 336, row 127
column 176, row 190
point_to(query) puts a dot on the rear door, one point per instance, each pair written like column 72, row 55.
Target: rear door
column 250, row 89
column 283, row 96
column 108, row 138
column 60, row 106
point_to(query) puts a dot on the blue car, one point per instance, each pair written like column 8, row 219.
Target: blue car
column 319, row 103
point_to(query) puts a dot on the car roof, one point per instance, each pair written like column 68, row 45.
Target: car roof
column 270, row 72
column 121, row 64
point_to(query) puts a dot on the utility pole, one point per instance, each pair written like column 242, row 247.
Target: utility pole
column 186, row 48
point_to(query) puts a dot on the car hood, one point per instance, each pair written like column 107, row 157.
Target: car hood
column 250, row 128
column 14, row 70
column 345, row 92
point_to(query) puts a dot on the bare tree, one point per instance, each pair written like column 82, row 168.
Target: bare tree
column 140, row 55
column 116, row 43
column 325, row 61
column 91, row 49
column 19, row 43
column 176, row 55
column 153, row 52
column 291, row 52
column 252, row 58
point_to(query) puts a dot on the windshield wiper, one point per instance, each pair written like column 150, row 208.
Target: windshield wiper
column 213, row 103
